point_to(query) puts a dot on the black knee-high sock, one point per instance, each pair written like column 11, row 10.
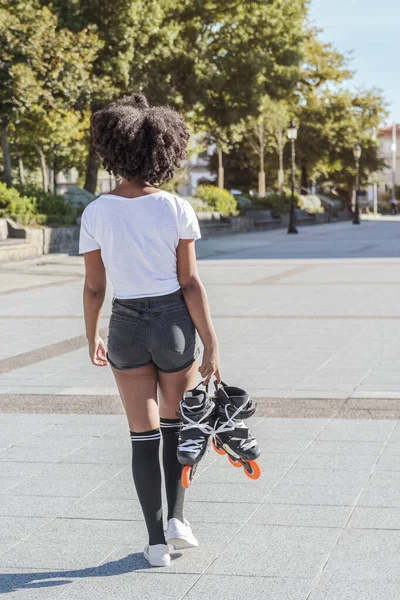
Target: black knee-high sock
column 172, row 468
column 147, row 477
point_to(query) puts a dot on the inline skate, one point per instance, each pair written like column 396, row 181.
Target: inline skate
column 196, row 412
column 231, row 435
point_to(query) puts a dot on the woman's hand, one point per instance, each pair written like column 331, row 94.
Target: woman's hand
column 97, row 353
column 210, row 365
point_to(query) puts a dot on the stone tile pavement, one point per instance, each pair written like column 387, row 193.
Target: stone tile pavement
column 309, row 528
column 309, row 325
column 312, row 316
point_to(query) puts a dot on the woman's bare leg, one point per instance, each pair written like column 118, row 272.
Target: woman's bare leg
column 171, row 389
column 138, row 391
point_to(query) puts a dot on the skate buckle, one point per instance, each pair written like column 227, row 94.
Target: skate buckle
column 229, row 451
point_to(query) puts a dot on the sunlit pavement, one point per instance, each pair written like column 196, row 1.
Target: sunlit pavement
column 309, row 324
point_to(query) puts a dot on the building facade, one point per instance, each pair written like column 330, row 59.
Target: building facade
column 385, row 138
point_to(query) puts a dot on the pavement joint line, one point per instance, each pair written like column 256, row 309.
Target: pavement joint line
column 280, row 276
column 78, row 499
column 355, row 504
column 45, row 352
column 312, row 317
column 45, row 317
column 259, row 505
column 66, row 279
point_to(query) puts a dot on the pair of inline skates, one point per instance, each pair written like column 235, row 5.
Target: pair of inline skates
column 220, row 420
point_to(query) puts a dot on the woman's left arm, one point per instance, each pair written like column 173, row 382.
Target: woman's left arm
column 93, row 297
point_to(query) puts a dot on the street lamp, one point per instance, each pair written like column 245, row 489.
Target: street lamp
column 292, row 135
column 357, row 155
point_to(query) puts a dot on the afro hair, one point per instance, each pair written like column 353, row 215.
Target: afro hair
column 138, row 141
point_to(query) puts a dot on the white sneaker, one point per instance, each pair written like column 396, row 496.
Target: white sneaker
column 157, row 555
column 180, row 535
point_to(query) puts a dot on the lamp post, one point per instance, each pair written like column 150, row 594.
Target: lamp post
column 292, row 135
column 357, row 155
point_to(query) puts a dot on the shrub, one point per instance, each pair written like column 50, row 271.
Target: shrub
column 17, row 207
column 48, row 203
column 197, row 204
column 77, row 196
column 310, row 203
column 276, row 203
column 217, row 199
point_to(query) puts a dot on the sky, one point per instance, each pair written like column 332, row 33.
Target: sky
column 371, row 31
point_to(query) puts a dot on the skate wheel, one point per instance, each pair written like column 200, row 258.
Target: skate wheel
column 234, row 463
column 220, row 451
column 186, row 477
column 252, row 469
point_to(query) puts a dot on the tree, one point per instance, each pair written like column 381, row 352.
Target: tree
column 266, row 134
column 323, row 69
column 43, row 67
column 264, row 41
column 351, row 118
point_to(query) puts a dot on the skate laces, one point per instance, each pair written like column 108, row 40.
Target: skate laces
column 230, row 425
column 193, row 445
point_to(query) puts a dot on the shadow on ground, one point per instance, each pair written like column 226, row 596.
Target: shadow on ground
column 11, row 582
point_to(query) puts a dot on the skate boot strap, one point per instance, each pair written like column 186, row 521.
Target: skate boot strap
column 238, row 432
column 192, row 433
column 243, row 411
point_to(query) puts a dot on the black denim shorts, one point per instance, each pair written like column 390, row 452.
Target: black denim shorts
column 155, row 330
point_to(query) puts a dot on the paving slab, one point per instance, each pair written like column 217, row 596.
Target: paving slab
column 366, row 555
column 287, row 551
column 130, row 585
column 226, row 587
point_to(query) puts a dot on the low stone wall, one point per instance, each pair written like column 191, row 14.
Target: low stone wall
column 38, row 241
column 60, row 239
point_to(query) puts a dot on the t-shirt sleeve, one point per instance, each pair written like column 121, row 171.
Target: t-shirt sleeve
column 87, row 242
column 189, row 228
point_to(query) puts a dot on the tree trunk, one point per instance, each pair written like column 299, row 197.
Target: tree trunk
column 220, row 170
column 304, row 180
column 261, row 175
column 281, row 174
column 21, row 171
column 56, row 173
column 92, row 168
column 43, row 167
column 6, row 152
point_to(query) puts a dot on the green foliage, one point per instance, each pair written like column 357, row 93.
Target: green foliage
column 310, row 203
column 277, row 203
column 47, row 203
column 198, row 205
column 16, row 206
column 219, row 200
column 32, row 206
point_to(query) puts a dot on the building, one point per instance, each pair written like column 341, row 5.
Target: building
column 385, row 138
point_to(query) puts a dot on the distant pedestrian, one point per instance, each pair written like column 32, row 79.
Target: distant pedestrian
column 144, row 238
column 393, row 206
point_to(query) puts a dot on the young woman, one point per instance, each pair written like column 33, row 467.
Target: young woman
column 144, row 238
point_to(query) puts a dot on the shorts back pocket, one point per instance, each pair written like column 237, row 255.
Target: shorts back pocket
column 121, row 332
column 180, row 335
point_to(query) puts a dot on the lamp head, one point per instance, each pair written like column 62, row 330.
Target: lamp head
column 357, row 151
column 292, row 130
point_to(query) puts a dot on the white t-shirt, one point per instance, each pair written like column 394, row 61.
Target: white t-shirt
column 138, row 238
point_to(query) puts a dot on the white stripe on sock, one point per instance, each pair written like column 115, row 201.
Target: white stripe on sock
column 139, row 438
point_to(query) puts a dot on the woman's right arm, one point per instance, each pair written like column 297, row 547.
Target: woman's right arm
column 197, row 302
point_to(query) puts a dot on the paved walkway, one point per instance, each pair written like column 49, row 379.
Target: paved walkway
column 310, row 325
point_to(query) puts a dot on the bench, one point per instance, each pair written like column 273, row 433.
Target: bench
column 263, row 218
